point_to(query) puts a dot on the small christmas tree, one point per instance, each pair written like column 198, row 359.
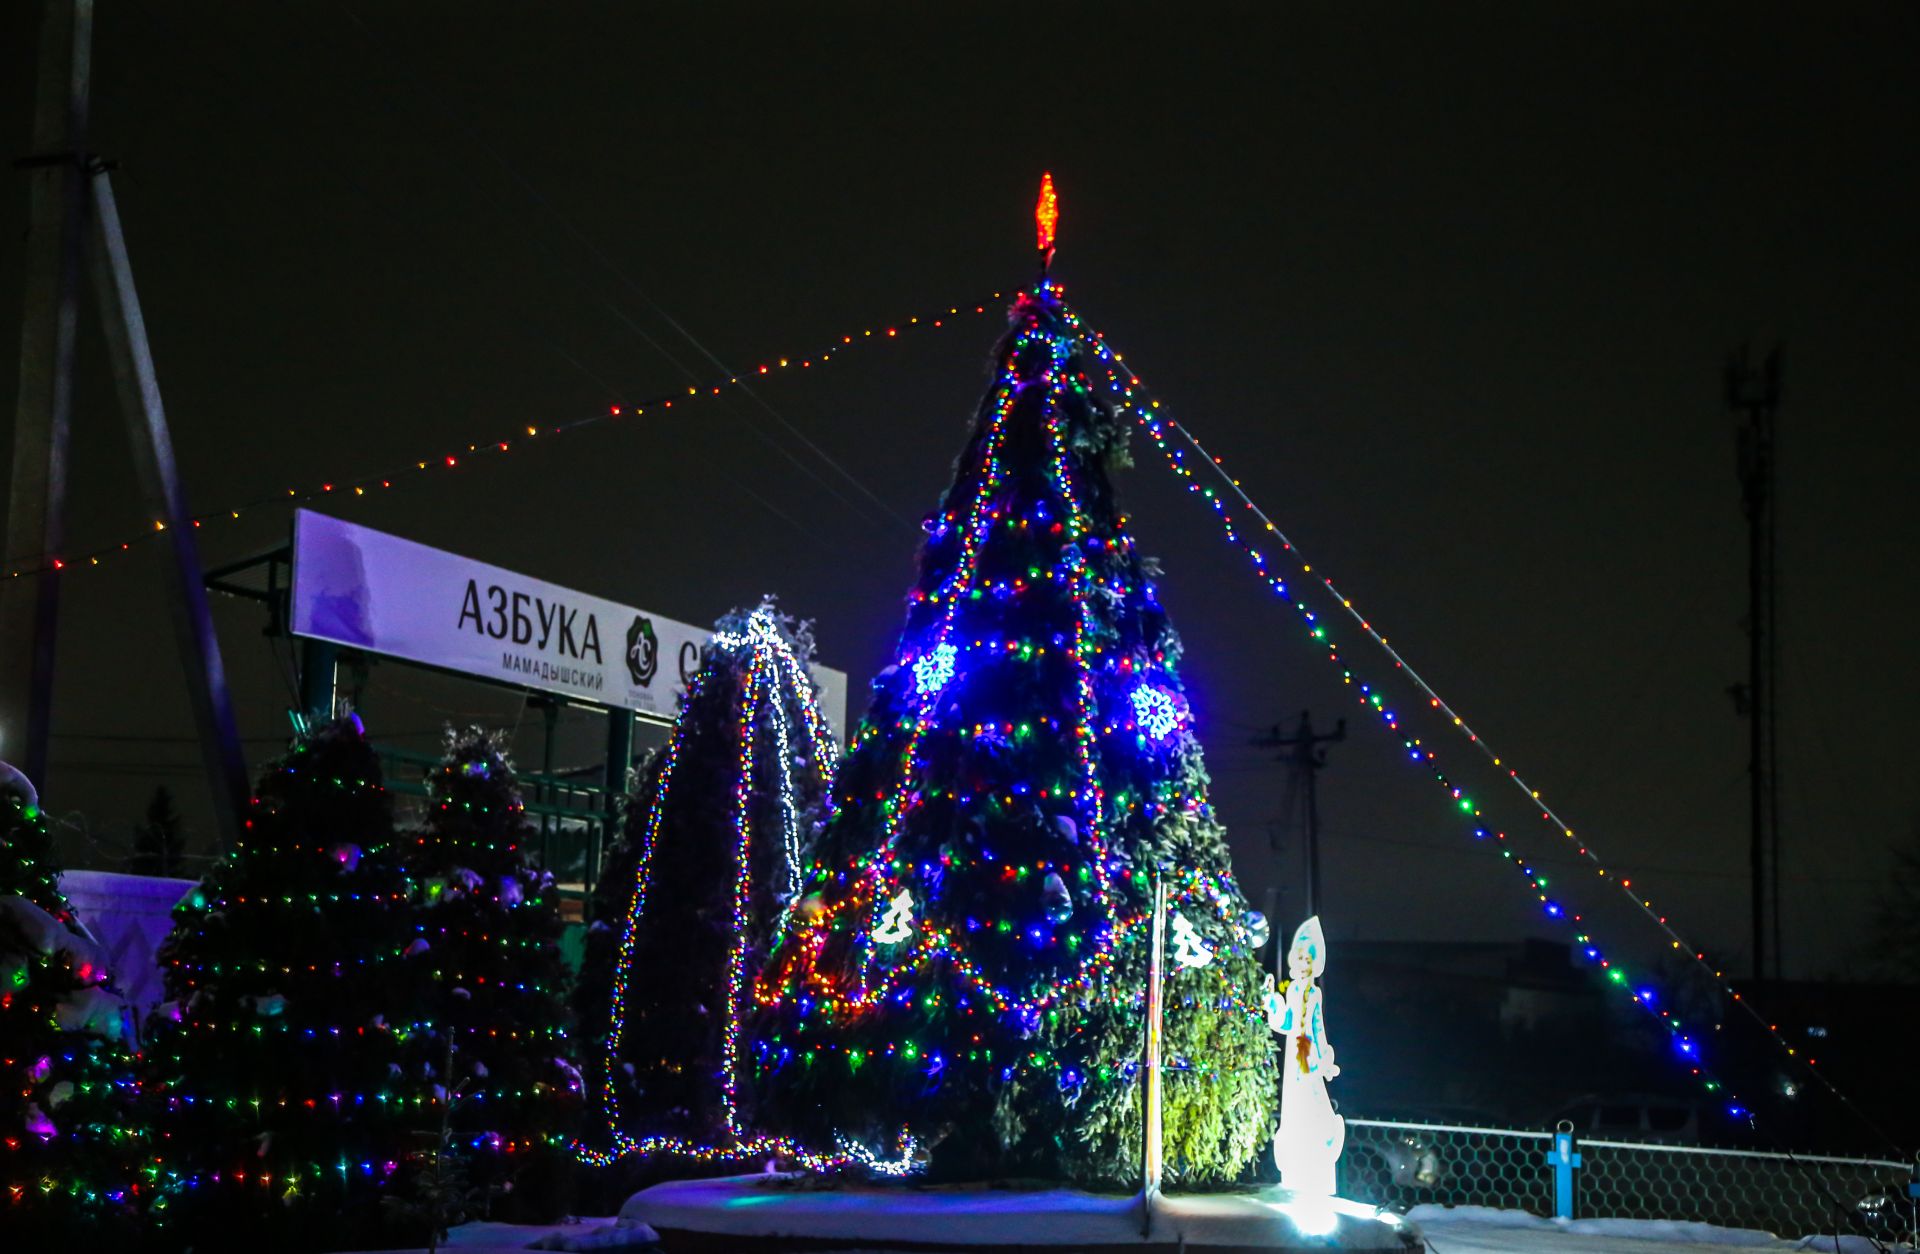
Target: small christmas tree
column 70, row 1131
column 159, row 844
column 716, row 868
column 972, row 957
column 277, row 1065
column 496, row 996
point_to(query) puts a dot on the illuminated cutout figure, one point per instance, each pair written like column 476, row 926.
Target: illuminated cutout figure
column 898, row 925
column 1188, row 949
column 1310, row 1136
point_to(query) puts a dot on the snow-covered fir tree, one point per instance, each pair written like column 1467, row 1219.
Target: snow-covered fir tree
column 277, row 1066
column 71, row 1132
column 495, row 982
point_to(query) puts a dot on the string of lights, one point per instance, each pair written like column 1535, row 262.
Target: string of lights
column 1150, row 414
column 378, row 482
column 775, row 678
column 1120, row 697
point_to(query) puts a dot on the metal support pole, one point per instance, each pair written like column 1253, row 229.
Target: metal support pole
column 619, row 762
column 139, row 388
column 1565, row 1161
column 550, row 711
column 36, row 504
column 319, row 668
column 1755, row 393
column 1156, row 961
column 1304, row 759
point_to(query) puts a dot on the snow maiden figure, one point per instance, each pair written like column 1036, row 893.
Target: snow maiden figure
column 1310, row 1136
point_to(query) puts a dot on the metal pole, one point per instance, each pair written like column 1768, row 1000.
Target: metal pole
column 1304, row 760
column 319, row 668
column 619, row 761
column 36, row 504
column 1150, row 1157
column 1311, row 770
column 1756, row 394
column 139, row 388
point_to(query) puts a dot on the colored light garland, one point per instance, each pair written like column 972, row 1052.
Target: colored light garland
column 775, row 677
column 1143, row 704
column 370, row 484
column 1158, row 424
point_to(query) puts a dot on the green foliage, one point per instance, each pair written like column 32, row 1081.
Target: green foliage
column 495, row 985
column 434, row 1190
column 71, row 1134
column 277, row 1067
column 159, row 843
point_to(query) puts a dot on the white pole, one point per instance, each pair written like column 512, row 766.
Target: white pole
column 1150, row 1185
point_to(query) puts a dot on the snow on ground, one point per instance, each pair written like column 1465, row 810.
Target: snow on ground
column 1088, row 1218
column 579, row 1234
column 1484, row 1230
column 871, row 1216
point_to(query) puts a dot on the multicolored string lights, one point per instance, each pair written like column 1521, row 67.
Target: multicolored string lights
column 1150, row 413
column 375, row 483
column 775, row 679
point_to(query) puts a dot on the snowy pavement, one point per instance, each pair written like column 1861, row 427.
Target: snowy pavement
column 1484, row 1230
column 1448, row 1230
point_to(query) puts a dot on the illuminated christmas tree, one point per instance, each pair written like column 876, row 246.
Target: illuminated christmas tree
column 70, row 1128
column 718, row 850
column 495, row 982
column 971, row 957
column 278, row 1064
column 600, row 954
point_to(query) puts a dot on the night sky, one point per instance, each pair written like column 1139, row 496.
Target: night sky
column 1449, row 287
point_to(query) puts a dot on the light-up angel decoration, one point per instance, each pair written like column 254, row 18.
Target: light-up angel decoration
column 1310, row 1136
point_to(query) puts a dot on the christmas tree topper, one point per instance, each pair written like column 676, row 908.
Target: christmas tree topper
column 1046, row 217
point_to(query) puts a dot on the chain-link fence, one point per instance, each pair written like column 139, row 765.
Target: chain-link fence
column 1402, row 1165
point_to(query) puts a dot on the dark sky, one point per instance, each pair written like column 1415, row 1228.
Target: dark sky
column 1449, row 286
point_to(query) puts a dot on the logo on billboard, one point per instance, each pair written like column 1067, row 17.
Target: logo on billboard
column 643, row 650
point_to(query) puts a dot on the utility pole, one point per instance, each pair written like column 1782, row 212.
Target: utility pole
column 1753, row 393
column 74, row 221
column 1304, row 758
column 43, row 411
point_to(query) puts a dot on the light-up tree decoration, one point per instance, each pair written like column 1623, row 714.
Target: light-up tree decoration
column 278, row 1065
column 1025, row 767
column 720, row 840
column 1310, row 1137
column 494, row 982
column 71, row 1135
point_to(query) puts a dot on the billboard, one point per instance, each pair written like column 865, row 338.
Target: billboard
column 365, row 589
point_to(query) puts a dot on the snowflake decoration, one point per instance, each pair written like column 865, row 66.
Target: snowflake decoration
column 1154, row 712
column 933, row 670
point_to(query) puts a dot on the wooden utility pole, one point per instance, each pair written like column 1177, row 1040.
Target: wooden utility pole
column 74, row 217
column 1304, row 757
column 1754, row 394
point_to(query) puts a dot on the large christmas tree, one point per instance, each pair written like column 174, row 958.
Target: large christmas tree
column 496, row 985
column 971, row 960
column 71, row 1137
column 719, row 839
column 278, row 1063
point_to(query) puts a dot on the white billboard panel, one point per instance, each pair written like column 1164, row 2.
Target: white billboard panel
column 365, row 589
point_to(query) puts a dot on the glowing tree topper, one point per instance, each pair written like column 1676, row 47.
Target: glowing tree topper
column 1310, row 1136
